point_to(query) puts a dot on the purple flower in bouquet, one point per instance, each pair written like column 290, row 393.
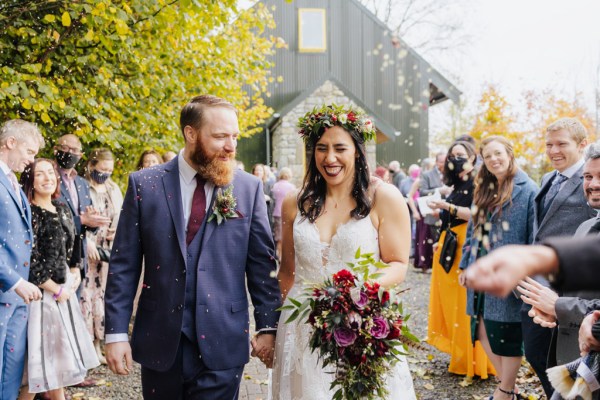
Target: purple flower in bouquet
column 344, row 337
column 359, row 298
column 380, row 328
column 354, row 320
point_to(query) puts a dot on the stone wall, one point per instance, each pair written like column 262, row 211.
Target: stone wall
column 288, row 148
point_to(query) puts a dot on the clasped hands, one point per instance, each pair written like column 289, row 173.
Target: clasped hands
column 543, row 301
column 263, row 347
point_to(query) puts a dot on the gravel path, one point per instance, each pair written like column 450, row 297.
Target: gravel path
column 429, row 367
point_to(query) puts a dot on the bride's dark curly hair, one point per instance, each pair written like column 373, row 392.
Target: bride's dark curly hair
column 311, row 198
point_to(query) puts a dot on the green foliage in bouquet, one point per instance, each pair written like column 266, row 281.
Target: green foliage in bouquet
column 358, row 326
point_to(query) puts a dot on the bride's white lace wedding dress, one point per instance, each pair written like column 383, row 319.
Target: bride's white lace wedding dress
column 297, row 373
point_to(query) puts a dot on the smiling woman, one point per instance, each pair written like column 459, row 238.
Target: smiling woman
column 56, row 327
column 339, row 209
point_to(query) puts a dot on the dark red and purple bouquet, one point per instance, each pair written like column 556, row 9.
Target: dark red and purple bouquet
column 357, row 326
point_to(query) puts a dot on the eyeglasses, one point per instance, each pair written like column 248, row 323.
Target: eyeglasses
column 73, row 150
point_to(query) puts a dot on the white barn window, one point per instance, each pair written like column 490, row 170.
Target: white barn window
column 311, row 30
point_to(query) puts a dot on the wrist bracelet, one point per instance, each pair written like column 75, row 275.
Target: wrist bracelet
column 55, row 296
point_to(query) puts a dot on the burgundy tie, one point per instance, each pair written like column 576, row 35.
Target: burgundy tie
column 198, row 210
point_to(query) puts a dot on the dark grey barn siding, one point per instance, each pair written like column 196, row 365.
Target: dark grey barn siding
column 357, row 43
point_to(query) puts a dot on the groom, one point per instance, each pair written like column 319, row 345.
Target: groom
column 192, row 324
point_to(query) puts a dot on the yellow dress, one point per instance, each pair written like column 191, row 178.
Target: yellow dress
column 449, row 326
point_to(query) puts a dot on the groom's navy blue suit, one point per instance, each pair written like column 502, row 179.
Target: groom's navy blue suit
column 192, row 295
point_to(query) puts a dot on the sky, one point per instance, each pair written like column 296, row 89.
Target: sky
column 523, row 45
column 540, row 44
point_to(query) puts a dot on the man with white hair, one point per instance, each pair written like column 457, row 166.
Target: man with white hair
column 396, row 173
column 20, row 141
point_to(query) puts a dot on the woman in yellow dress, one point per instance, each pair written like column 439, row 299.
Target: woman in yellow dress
column 449, row 327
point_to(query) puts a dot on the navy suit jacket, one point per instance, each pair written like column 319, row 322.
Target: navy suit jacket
column 16, row 238
column 85, row 200
column 237, row 252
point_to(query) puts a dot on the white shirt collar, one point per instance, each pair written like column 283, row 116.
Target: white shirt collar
column 569, row 172
column 185, row 170
column 5, row 168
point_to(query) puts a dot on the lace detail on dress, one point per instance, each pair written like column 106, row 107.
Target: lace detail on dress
column 297, row 374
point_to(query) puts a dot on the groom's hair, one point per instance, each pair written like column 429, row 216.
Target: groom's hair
column 192, row 112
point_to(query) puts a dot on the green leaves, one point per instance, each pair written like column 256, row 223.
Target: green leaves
column 116, row 73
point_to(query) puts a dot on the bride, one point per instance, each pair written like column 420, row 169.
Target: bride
column 339, row 209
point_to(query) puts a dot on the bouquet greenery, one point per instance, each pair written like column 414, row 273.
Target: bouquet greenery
column 357, row 326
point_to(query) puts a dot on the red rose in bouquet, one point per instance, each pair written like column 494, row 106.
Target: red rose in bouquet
column 357, row 326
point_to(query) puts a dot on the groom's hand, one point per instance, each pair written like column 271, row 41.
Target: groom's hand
column 118, row 357
column 263, row 347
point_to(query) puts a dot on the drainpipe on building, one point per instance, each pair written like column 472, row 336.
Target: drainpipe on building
column 268, row 126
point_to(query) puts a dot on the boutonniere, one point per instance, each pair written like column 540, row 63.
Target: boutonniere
column 224, row 207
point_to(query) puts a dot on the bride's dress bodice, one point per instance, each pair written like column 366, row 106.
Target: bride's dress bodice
column 316, row 260
column 297, row 372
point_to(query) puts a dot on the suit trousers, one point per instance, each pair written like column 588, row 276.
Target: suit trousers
column 13, row 343
column 537, row 341
column 189, row 379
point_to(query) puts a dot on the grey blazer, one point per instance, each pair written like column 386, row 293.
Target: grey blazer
column 430, row 181
column 570, row 310
column 568, row 210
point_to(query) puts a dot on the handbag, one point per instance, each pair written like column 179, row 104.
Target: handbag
column 104, row 254
column 448, row 252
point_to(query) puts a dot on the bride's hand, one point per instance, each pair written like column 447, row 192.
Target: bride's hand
column 263, row 347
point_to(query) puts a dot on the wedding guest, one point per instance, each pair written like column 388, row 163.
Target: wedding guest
column 260, row 172
column 568, row 310
column 60, row 349
column 449, row 327
column 504, row 199
column 169, row 155
column 405, row 188
column 383, row 174
column 149, row 158
column 413, row 174
column 560, row 208
column 107, row 200
column 19, row 143
column 396, row 174
column 75, row 192
column 280, row 189
column 426, row 229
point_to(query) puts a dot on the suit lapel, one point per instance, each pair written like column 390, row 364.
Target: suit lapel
column 543, row 189
column 19, row 202
column 173, row 199
column 67, row 196
column 563, row 194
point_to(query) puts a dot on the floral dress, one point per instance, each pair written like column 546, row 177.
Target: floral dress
column 94, row 283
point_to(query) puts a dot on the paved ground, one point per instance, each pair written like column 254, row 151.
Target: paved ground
column 428, row 367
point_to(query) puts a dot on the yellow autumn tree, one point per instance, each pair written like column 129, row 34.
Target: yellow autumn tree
column 495, row 118
column 543, row 108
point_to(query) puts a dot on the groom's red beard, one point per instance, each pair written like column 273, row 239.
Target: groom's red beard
column 212, row 168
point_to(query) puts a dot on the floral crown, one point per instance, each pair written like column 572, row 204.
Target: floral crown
column 314, row 123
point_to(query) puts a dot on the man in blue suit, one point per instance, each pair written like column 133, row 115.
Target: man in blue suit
column 192, row 324
column 19, row 143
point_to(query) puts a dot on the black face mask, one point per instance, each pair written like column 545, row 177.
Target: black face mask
column 66, row 160
column 99, row 177
column 456, row 166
